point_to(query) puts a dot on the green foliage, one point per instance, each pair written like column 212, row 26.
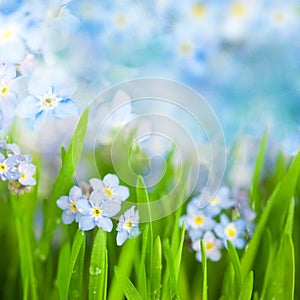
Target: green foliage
column 157, row 264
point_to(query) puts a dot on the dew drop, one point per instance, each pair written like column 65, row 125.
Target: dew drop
column 95, row 270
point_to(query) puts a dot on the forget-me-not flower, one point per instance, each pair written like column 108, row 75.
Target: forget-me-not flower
column 97, row 211
column 128, row 226
column 232, row 231
column 51, row 103
column 69, row 205
column 8, row 167
column 109, row 187
column 27, row 171
column 212, row 247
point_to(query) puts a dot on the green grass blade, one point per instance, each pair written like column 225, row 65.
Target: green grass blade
column 254, row 191
column 178, row 254
column 171, row 268
column 204, row 271
column 125, row 263
column 236, row 266
column 74, row 266
column 228, row 289
column 63, row 183
column 63, row 269
column 247, row 287
column 282, row 282
column 155, row 276
column 278, row 209
column 98, row 268
column 129, row 289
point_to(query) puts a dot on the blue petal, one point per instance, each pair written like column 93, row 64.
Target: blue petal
column 63, row 202
column 104, row 223
column 121, row 193
column 111, row 180
column 110, row 208
column 27, row 181
column 96, row 184
column 12, row 175
column 96, row 198
column 29, row 107
column 121, row 237
column 75, row 192
column 68, row 217
column 219, row 230
column 239, row 243
column 87, row 222
column 65, row 109
column 83, row 206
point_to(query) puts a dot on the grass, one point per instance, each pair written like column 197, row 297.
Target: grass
column 66, row 263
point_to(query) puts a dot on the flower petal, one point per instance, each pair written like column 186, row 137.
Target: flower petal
column 63, row 202
column 68, row 217
column 121, row 192
column 110, row 208
column 29, row 107
column 83, row 206
column 111, row 180
column 65, row 109
column 86, row 222
column 121, row 237
column 104, row 223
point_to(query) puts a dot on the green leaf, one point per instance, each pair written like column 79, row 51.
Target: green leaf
column 128, row 288
column 63, row 183
column 125, row 263
column 228, row 289
column 204, row 271
column 63, row 269
column 155, row 276
column 75, row 267
column 254, row 191
column 247, row 287
column 236, row 266
column 142, row 278
column 178, row 254
column 98, row 268
column 282, row 281
column 274, row 215
column 171, row 268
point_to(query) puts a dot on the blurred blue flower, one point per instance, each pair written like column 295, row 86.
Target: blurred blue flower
column 69, row 205
column 128, row 226
column 232, row 231
column 219, row 202
column 196, row 221
column 50, row 104
column 212, row 246
column 110, row 189
column 97, row 212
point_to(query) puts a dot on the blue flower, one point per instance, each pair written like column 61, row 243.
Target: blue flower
column 220, row 201
column 69, row 205
column 232, row 231
column 9, row 167
column 110, row 188
column 27, row 171
column 128, row 226
column 50, row 104
column 197, row 221
column 212, row 247
column 97, row 212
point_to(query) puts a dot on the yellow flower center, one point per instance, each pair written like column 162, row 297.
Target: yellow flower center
column 128, row 225
column 4, row 90
column 7, row 35
column 238, row 10
column 73, row 206
column 97, row 212
column 278, row 17
column 199, row 220
column 198, row 10
column 108, row 192
column 49, row 101
column 185, row 49
column 215, row 201
column 3, row 168
column 24, row 175
column 231, row 231
column 209, row 245
column 120, row 20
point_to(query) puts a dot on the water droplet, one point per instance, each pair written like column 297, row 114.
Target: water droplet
column 95, row 270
